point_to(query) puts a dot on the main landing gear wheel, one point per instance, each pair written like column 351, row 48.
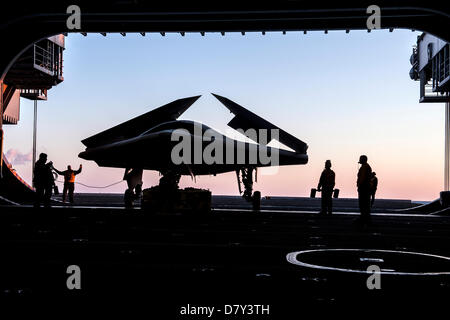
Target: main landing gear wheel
column 256, row 200
column 247, row 180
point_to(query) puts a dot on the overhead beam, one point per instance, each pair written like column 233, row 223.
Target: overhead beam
column 287, row 15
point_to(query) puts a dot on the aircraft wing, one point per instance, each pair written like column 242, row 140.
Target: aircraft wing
column 245, row 119
column 138, row 125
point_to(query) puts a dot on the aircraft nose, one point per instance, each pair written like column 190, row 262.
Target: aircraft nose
column 83, row 155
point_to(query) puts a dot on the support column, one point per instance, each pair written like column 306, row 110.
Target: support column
column 447, row 148
column 34, row 141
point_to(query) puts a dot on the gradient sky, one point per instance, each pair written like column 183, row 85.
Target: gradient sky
column 343, row 94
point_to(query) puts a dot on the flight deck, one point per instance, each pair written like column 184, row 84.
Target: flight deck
column 297, row 257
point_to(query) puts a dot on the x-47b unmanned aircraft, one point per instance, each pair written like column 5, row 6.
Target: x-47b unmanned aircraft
column 158, row 141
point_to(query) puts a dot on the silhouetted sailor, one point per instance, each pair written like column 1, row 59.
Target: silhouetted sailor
column 69, row 181
column 326, row 184
column 43, row 181
column 373, row 187
column 364, row 188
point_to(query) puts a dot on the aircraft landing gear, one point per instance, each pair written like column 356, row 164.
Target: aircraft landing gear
column 134, row 182
column 247, row 181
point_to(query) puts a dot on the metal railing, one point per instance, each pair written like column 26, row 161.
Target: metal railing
column 429, row 94
column 49, row 59
column 441, row 68
column 43, row 58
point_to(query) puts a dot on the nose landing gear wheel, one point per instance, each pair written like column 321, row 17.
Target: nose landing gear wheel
column 256, row 201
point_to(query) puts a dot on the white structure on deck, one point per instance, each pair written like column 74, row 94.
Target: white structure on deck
column 431, row 66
